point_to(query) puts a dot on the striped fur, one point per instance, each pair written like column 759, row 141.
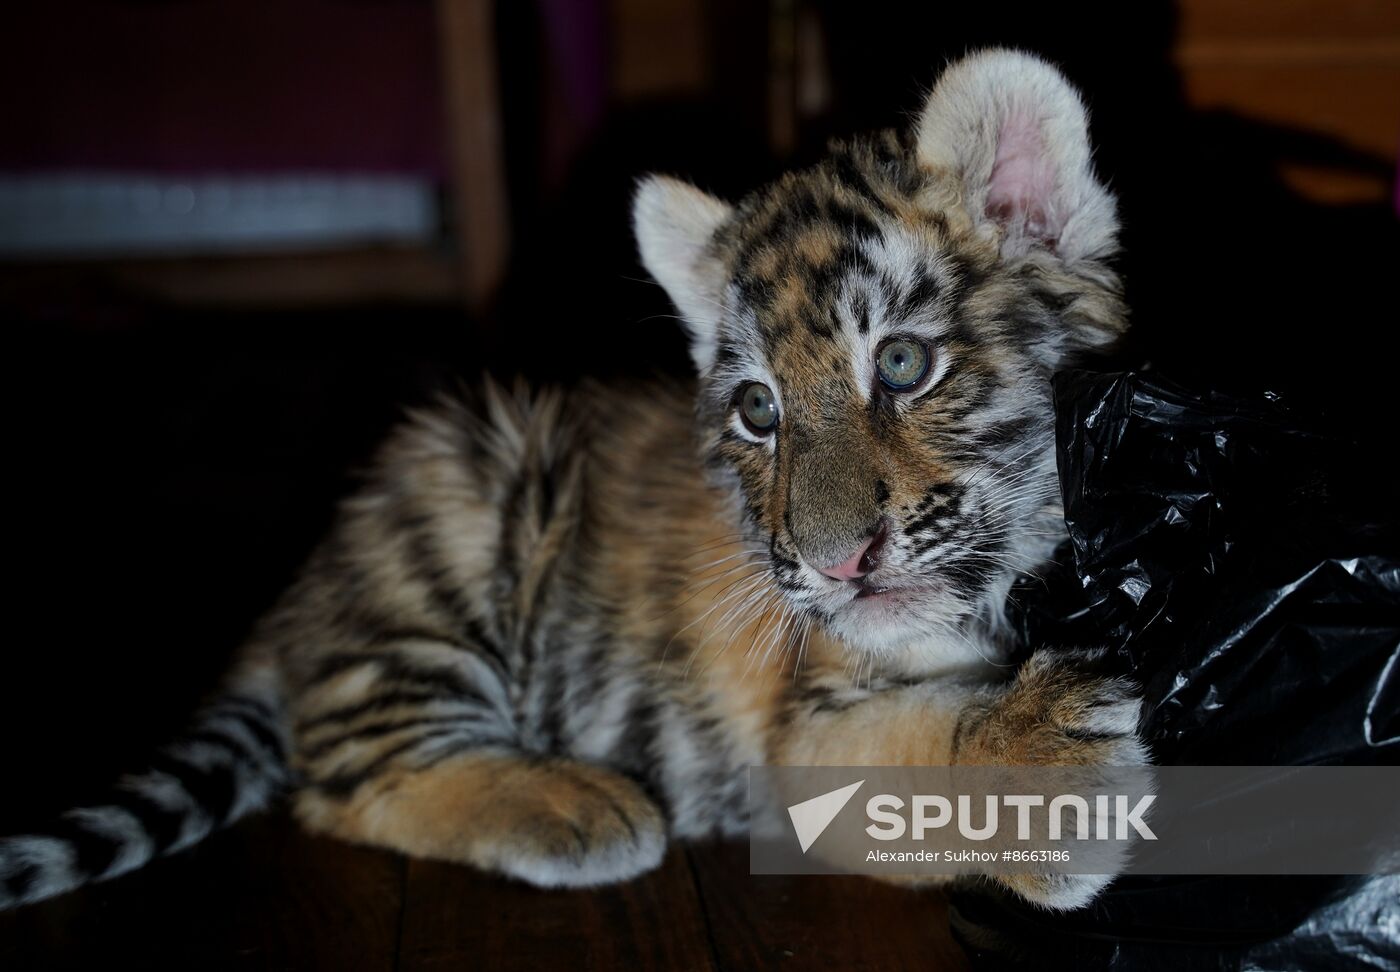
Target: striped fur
column 231, row 762
column 554, row 627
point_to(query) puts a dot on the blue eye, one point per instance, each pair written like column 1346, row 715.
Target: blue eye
column 902, row 363
column 757, row 408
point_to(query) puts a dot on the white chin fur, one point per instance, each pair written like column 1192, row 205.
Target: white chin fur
column 926, row 630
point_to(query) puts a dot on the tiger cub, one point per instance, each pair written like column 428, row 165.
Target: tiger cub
column 554, row 628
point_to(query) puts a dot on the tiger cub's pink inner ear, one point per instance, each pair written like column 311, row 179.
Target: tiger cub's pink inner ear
column 1010, row 136
column 1022, row 188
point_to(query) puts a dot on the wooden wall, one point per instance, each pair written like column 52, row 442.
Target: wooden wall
column 1329, row 67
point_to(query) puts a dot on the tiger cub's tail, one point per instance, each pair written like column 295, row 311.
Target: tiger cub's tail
column 230, row 763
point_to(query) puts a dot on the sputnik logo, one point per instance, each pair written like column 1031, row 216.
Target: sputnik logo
column 810, row 818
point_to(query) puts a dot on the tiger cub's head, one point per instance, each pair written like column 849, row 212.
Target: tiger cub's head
column 875, row 338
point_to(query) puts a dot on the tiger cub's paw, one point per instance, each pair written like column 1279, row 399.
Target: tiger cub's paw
column 582, row 827
column 1056, row 714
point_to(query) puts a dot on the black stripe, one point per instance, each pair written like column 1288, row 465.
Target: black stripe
column 924, row 292
column 377, row 703
column 267, row 738
column 447, row 752
column 860, row 310
column 18, row 884
column 844, row 167
column 221, row 739
column 93, row 852
column 551, row 719
column 383, row 632
column 1090, row 735
column 394, row 668
column 162, row 824
column 509, row 566
column 754, row 291
column 254, row 707
column 634, row 748
column 344, row 784
column 213, row 790
column 379, row 729
column 425, row 565
column 476, row 636
column 941, row 517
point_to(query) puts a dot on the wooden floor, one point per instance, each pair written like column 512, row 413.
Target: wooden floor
column 265, row 896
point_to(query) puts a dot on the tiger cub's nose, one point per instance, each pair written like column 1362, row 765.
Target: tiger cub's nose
column 865, row 559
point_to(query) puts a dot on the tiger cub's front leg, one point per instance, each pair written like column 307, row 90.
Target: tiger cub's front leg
column 549, row 822
column 412, row 745
column 1053, row 714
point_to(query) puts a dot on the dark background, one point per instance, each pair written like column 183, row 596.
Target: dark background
column 171, row 459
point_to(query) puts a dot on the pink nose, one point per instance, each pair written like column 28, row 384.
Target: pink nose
column 861, row 562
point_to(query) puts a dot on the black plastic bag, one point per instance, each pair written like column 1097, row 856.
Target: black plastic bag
column 1241, row 562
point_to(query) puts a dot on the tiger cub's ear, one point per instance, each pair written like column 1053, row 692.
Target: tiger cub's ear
column 675, row 225
column 1013, row 134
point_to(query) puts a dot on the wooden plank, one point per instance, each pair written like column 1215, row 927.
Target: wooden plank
column 262, row 895
column 659, row 48
column 1322, row 67
column 457, row 918
column 1378, row 51
column 1307, row 20
column 827, row 922
column 782, row 77
column 467, row 41
column 1337, row 186
column 1357, row 103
